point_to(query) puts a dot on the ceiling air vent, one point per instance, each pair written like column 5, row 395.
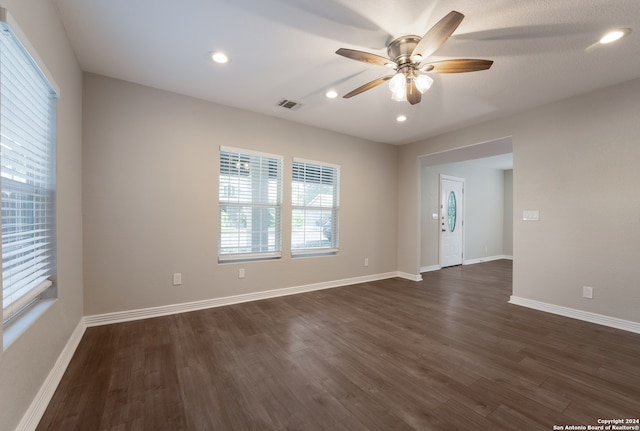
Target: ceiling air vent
column 290, row 104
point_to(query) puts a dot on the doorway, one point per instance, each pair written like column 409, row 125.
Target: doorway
column 451, row 237
column 486, row 205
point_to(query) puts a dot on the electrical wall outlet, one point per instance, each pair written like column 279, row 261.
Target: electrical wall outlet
column 587, row 292
column 177, row 279
column 241, row 273
column 366, row 261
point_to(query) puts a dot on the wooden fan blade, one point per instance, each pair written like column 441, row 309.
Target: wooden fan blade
column 438, row 34
column 413, row 94
column 365, row 57
column 459, row 66
column 367, row 86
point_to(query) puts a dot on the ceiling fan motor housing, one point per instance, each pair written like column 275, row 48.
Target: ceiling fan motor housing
column 400, row 49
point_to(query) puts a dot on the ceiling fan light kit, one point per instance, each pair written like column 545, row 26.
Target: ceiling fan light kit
column 398, row 87
column 407, row 55
column 401, row 81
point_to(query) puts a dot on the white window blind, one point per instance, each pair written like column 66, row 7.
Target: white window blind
column 315, row 204
column 250, row 200
column 27, row 159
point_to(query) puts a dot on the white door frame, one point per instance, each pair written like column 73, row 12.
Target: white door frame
column 459, row 215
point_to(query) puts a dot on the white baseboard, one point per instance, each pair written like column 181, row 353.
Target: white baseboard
column 468, row 262
column 587, row 316
column 146, row 313
column 486, row 259
column 430, row 268
column 39, row 404
column 410, row 277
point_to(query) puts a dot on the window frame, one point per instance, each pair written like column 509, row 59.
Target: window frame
column 271, row 164
column 28, row 170
column 334, row 209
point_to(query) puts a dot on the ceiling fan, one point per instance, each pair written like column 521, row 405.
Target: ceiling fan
column 407, row 55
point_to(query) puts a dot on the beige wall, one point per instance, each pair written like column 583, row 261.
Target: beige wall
column 507, row 218
column 150, row 198
column 576, row 161
column 26, row 363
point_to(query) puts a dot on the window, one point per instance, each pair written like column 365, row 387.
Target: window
column 27, row 169
column 314, row 200
column 451, row 211
column 250, row 198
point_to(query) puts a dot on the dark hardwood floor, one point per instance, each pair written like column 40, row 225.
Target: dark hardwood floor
column 448, row 353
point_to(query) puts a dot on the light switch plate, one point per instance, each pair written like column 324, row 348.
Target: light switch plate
column 531, row 215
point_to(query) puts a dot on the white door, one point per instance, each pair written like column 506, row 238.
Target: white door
column 451, row 224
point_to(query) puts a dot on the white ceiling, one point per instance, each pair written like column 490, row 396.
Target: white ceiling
column 543, row 50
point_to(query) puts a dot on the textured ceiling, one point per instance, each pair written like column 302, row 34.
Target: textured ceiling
column 543, row 50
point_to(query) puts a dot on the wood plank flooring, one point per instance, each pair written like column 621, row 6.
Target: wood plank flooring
column 447, row 353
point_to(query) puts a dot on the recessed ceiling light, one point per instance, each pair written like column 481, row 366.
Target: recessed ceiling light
column 401, row 118
column 331, row 94
column 614, row 35
column 220, row 57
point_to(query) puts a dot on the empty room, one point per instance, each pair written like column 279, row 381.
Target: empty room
column 320, row 215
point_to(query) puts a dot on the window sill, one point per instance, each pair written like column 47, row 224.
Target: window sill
column 248, row 258
column 314, row 253
column 20, row 324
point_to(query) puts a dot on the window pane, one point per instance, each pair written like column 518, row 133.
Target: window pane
column 314, row 199
column 250, row 198
column 247, row 229
column 27, row 171
column 312, row 229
